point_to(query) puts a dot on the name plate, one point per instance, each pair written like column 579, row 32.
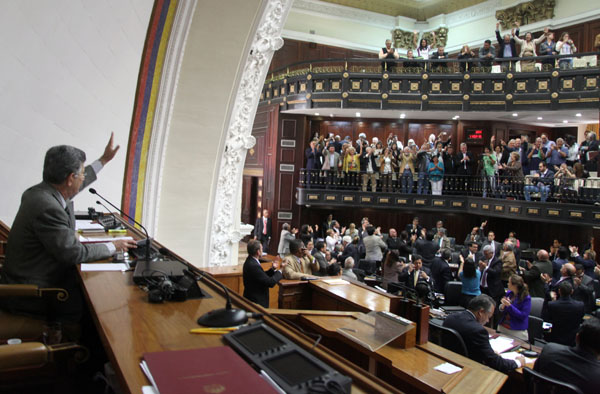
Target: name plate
column 384, row 200
column 499, row 208
column 597, row 215
column 458, row 204
column 514, row 209
column 312, row 197
column 349, row 198
column 576, row 214
column 439, row 203
column 330, row 198
column 401, row 201
column 366, row 199
column 485, row 206
column 533, row 211
column 553, row 212
column 474, row 205
column 419, row 202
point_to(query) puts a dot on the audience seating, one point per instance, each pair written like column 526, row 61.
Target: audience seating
column 537, row 383
column 368, row 266
column 447, row 338
column 537, row 303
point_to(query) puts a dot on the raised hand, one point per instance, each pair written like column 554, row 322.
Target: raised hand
column 110, row 150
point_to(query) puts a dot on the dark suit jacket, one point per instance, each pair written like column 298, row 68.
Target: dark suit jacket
column 502, row 44
column 497, row 247
column 572, row 365
column 409, row 229
column 533, row 280
column 427, row 250
column 364, row 162
column 441, row 274
column 44, row 249
column 257, row 281
column 477, row 340
column 259, row 228
column 313, row 159
column 566, row 315
column 323, row 263
column 450, row 163
column 460, row 170
column 409, row 277
column 494, row 272
column 351, row 250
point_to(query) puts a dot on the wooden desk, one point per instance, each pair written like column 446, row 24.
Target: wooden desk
column 400, row 365
column 354, row 296
column 129, row 326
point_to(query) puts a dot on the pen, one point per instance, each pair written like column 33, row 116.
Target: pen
column 209, row 330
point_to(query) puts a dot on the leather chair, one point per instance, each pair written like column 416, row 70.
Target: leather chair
column 538, row 383
column 368, row 266
column 447, row 338
column 452, row 293
column 537, row 303
column 535, row 329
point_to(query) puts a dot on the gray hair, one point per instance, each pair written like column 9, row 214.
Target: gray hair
column 482, row 301
column 349, row 263
column 285, row 226
column 509, row 246
column 62, row 161
column 488, row 248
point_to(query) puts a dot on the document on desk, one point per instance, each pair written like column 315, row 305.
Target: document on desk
column 514, row 355
column 336, row 281
column 88, row 225
column 91, row 240
column 95, row 267
column 448, row 368
column 501, row 344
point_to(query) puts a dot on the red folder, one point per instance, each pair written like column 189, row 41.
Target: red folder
column 205, row 370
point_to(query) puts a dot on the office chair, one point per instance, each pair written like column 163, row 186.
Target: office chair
column 537, row 303
column 537, row 383
column 447, row 338
column 452, row 293
column 535, row 328
column 368, row 266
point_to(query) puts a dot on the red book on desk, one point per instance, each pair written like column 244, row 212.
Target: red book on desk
column 205, row 370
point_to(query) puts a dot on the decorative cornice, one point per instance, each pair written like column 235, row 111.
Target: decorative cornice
column 335, row 11
column 471, row 14
column 162, row 117
column 301, row 36
column 225, row 224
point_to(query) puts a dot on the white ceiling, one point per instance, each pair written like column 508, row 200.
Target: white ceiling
column 549, row 118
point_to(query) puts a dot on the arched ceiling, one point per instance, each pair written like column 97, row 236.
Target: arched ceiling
column 417, row 9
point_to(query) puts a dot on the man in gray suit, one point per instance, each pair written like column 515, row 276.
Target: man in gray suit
column 43, row 246
column 374, row 245
column 283, row 249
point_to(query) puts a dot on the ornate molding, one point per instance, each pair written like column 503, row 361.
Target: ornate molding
column 224, row 231
column 164, row 111
column 526, row 13
column 473, row 13
column 320, row 8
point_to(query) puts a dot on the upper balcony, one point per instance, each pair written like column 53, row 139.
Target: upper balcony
column 436, row 85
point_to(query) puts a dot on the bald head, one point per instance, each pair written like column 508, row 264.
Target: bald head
column 543, row 255
column 567, row 269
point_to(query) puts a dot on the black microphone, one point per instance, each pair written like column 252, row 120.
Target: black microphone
column 224, row 317
column 148, row 240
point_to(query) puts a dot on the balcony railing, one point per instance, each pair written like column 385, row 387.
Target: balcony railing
column 563, row 200
column 437, row 84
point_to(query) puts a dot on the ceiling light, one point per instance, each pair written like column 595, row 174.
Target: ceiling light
column 402, row 116
column 515, row 114
column 540, row 118
column 565, row 121
column 316, row 114
column 331, row 115
column 578, row 115
column 358, row 114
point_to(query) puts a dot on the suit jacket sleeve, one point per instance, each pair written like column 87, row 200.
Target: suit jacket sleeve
column 52, row 229
column 480, row 340
column 265, row 278
column 288, row 271
column 495, row 269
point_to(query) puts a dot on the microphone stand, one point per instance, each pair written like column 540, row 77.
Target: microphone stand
column 224, row 317
column 148, row 240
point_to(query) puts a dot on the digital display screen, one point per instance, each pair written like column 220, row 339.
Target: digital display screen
column 258, row 341
column 294, row 368
column 475, row 136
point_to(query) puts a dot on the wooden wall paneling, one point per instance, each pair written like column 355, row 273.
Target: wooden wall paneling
column 287, row 188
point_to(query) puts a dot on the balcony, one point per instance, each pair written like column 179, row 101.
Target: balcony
column 435, row 85
column 569, row 201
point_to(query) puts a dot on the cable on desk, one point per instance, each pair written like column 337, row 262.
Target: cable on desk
column 310, row 334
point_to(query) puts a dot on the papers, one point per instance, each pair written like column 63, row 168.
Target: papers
column 501, row 344
column 149, row 390
column 89, row 240
column 85, row 267
column 336, row 281
column 514, row 355
column 447, row 368
column 88, row 225
column 148, row 375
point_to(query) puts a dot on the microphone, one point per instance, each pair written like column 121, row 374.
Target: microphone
column 109, row 226
column 148, row 240
column 104, row 206
column 224, row 317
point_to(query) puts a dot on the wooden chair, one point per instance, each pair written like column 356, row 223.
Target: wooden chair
column 538, row 383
